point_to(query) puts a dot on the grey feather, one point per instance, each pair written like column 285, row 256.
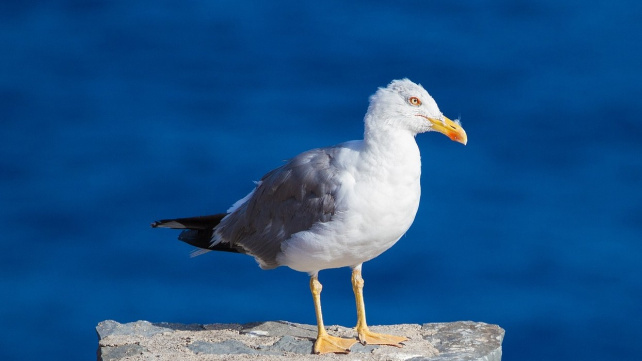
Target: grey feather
column 289, row 199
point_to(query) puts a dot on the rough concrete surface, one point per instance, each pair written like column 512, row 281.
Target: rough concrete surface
column 281, row 340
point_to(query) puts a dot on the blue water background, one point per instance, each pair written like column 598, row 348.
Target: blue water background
column 117, row 113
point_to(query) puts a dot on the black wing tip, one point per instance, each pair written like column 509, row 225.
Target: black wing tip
column 160, row 223
column 201, row 222
column 198, row 232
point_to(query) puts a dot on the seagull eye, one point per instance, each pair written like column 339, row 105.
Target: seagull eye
column 414, row 101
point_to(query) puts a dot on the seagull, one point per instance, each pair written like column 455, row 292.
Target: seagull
column 333, row 207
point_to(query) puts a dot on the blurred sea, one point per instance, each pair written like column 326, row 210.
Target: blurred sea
column 117, row 113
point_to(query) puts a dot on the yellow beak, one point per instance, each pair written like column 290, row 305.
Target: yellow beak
column 450, row 129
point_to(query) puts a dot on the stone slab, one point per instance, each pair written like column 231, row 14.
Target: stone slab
column 282, row 340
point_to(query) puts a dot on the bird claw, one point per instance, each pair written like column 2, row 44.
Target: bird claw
column 328, row 344
column 367, row 337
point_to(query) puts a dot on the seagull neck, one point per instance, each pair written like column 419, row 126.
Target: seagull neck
column 389, row 142
column 382, row 132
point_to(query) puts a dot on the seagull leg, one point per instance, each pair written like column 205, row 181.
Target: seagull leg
column 364, row 334
column 326, row 343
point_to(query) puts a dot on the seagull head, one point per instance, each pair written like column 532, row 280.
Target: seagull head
column 404, row 104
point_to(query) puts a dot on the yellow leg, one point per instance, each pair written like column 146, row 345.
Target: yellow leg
column 365, row 335
column 326, row 343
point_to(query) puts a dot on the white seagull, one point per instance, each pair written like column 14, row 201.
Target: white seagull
column 334, row 207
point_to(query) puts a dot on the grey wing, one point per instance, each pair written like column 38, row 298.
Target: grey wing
column 287, row 200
